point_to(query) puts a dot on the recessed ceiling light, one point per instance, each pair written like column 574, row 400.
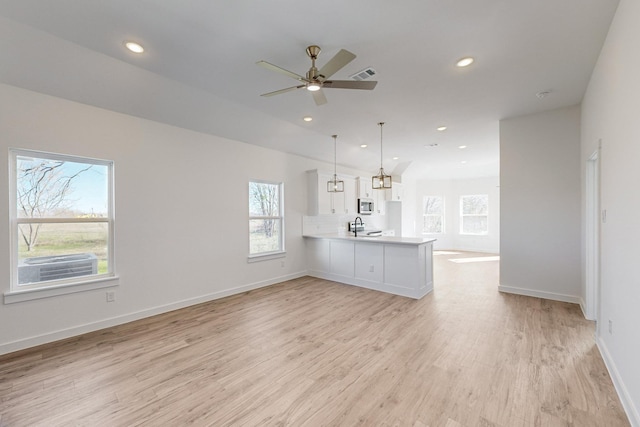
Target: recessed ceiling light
column 396, row 158
column 464, row 62
column 464, row 162
column 134, row 47
column 307, row 118
column 441, row 128
column 363, row 146
column 462, row 147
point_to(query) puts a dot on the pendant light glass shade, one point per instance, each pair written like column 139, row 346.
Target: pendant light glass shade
column 334, row 185
column 382, row 181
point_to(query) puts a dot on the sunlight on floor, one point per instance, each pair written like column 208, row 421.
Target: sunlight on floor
column 478, row 259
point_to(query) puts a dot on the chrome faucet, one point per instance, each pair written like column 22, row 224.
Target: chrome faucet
column 355, row 226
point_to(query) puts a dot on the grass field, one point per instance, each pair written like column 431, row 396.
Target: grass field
column 68, row 239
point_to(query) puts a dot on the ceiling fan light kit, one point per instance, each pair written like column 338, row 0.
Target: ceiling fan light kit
column 315, row 80
column 382, row 181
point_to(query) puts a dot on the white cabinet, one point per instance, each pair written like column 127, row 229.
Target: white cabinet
column 350, row 196
column 379, row 264
column 396, row 192
column 319, row 200
column 379, row 199
column 364, row 188
column 322, row 202
column 365, row 191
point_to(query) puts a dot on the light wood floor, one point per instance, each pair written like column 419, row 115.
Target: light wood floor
column 310, row 352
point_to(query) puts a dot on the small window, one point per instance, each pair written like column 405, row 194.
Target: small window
column 474, row 214
column 62, row 220
column 433, row 216
column 266, row 219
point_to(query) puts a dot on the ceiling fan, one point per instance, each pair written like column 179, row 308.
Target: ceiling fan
column 316, row 79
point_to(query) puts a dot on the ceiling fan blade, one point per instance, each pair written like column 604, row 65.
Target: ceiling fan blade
column 349, row 84
column 278, row 92
column 280, row 70
column 340, row 59
column 319, row 98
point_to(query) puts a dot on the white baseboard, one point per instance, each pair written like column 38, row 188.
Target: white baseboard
column 126, row 318
column 583, row 308
column 627, row 403
column 540, row 294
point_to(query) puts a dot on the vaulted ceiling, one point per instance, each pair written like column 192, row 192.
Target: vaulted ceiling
column 198, row 70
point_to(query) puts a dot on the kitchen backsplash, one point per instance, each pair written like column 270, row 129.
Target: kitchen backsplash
column 323, row 224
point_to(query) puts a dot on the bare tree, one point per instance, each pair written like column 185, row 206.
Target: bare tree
column 432, row 217
column 264, row 202
column 42, row 191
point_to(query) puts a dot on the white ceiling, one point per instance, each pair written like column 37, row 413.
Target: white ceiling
column 199, row 69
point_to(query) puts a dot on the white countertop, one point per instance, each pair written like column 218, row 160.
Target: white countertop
column 399, row 240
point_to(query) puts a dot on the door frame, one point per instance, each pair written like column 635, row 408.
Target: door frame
column 592, row 239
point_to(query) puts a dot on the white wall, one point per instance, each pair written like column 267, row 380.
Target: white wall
column 540, row 205
column 181, row 214
column 611, row 112
column 451, row 190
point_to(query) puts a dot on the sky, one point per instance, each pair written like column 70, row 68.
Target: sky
column 89, row 190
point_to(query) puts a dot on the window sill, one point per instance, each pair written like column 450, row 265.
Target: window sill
column 62, row 289
column 266, row 257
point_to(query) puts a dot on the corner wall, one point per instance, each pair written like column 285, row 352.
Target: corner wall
column 540, row 205
column 610, row 113
column 181, row 214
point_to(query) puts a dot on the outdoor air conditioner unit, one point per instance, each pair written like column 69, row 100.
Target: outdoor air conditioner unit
column 40, row 269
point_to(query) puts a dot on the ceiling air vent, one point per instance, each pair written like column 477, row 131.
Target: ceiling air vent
column 364, row 74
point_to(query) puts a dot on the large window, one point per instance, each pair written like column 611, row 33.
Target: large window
column 474, row 214
column 62, row 220
column 266, row 219
column 433, row 216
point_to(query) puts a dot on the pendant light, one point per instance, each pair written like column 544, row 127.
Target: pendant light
column 381, row 181
column 334, row 185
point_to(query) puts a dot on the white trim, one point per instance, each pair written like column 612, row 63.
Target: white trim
column 280, row 218
column 539, row 294
column 583, row 308
column 119, row 320
column 592, row 237
column 69, row 220
column 463, row 215
column 625, row 398
column 266, row 256
column 441, row 214
column 376, row 286
column 30, row 294
column 46, row 289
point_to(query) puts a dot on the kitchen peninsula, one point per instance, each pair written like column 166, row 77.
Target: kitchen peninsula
column 397, row 265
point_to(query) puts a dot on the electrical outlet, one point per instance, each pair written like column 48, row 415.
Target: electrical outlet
column 281, row 263
column 610, row 326
column 111, row 296
column 371, row 268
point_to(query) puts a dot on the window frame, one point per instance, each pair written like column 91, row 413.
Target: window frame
column 463, row 215
column 441, row 215
column 26, row 292
column 281, row 218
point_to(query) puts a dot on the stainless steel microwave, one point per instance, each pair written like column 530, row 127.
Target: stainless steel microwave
column 365, row 206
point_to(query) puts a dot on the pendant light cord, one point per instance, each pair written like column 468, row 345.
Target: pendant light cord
column 380, row 124
column 335, row 157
